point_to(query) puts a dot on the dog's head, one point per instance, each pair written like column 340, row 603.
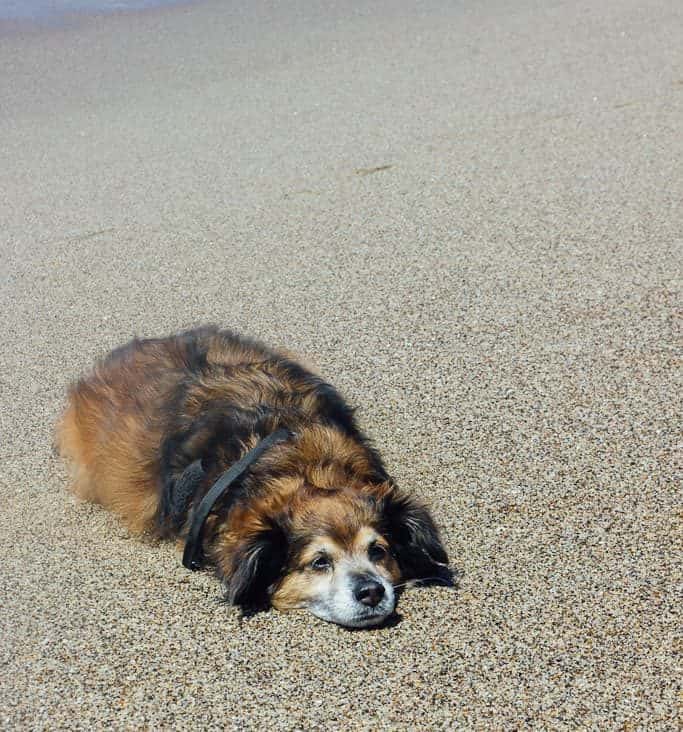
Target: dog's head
column 336, row 552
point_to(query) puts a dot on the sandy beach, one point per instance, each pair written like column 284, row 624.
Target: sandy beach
column 468, row 216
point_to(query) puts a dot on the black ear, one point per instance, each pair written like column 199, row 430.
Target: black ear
column 414, row 539
column 256, row 566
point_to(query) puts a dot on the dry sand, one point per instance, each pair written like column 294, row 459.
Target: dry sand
column 468, row 214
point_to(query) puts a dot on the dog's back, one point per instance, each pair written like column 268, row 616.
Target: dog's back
column 118, row 416
column 154, row 406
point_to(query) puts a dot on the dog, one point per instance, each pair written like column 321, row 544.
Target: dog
column 313, row 521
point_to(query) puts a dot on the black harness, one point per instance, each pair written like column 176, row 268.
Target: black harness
column 193, row 554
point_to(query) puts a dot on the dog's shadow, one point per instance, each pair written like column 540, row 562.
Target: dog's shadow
column 390, row 621
column 444, row 577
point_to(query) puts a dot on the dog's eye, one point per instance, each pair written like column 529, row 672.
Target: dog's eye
column 321, row 564
column 376, row 552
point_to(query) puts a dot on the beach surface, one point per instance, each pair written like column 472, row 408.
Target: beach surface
column 468, row 216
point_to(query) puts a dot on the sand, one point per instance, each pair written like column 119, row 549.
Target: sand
column 468, row 215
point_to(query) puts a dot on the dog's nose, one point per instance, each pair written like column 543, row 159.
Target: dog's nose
column 369, row 592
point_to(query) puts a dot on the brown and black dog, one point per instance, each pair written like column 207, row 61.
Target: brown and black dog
column 316, row 522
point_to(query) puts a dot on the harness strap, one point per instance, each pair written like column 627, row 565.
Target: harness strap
column 193, row 552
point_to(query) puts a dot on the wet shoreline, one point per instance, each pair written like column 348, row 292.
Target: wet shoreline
column 44, row 12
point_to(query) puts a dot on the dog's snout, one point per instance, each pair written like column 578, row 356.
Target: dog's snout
column 369, row 592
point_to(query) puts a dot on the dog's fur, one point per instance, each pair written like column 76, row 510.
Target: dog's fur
column 134, row 426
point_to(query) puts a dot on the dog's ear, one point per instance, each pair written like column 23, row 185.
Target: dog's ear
column 257, row 563
column 413, row 537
